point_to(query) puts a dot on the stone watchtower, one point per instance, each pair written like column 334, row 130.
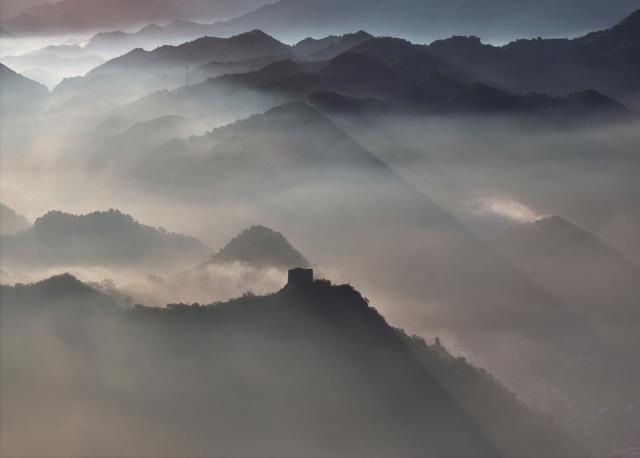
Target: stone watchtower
column 300, row 278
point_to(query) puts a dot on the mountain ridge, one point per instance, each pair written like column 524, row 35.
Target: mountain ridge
column 415, row 396
column 109, row 238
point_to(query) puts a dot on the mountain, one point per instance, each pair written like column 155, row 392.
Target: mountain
column 293, row 20
column 296, row 164
column 106, row 239
column 19, row 94
column 341, row 380
column 463, row 74
column 604, row 61
column 388, row 74
column 178, row 32
column 77, row 16
column 11, row 222
column 260, row 246
column 385, row 67
column 255, row 260
column 60, row 291
column 226, row 158
column 425, row 20
column 164, row 68
column 141, row 71
column 329, row 47
column 578, row 267
column 64, row 63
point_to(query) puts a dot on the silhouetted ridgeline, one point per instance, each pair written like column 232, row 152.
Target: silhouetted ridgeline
column 260, row 246
column 457, row 74
column 19, row 95
column 109, row 238
column 311, row 370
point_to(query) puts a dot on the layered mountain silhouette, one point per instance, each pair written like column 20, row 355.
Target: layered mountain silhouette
column 294, row 147
column 164, row 67
column 18, row 94
column 61, row 60
column 260, row 246
column 142, row 136
column 340, row 380
column 579, row 268
column 267, row 148
column 459, row 74
column 294, row 19
column 382, row 75
column 426, row 20
column 11, row 222
column 329, row 47
column 255, row 260
column 107, row 239
column 604, row 61
column 337, row 193
column 145, row 71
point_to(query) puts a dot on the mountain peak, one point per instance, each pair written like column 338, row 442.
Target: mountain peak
column 64, row 281
column 253, row 37
column 261, row 247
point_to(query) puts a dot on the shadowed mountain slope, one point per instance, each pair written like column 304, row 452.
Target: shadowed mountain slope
column 393, row 74
column 579, row 268
column 19, row 94
column 341, row 381
column 141, row 71
column 605, row 61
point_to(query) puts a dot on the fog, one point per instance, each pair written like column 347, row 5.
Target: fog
column 513, row 238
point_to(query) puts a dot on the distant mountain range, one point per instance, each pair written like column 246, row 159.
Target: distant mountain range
column 106, row 239
column 459, row 74
column 60, row 61
column 426, row 20
column 359, row 82
column 226, row 158
column 342, row 381
column 294, row 148
column 146, row 71
column 293, row 20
